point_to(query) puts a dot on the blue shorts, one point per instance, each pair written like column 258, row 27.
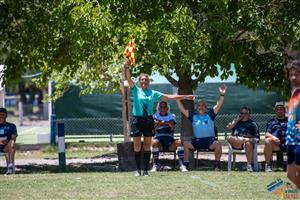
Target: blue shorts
column 165, row 141
column 142, row 126
column 203, row 143
column 293, row 154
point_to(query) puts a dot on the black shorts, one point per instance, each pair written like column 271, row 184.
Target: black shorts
column 203, row 143
column 165, row 141
column 293, row 154
column 282, row 147
column 142, row 126
column 2, row 148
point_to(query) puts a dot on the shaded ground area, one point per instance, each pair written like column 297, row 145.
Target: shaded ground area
column 108, row 162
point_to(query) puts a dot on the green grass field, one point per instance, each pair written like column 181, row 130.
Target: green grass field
column 123, row 185
column 103, row 181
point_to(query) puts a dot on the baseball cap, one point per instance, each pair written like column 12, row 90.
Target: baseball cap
column 3, row 110
column 279, row 103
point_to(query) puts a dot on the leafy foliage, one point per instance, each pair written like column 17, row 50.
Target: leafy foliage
column 84, row 40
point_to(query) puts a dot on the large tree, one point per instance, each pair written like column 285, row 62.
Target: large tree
column 83, row 40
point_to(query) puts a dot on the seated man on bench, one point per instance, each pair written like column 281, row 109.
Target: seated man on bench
column 164, row 136
column 244, row 134
column 8, row 134
column 275, row 134
column 204, row 129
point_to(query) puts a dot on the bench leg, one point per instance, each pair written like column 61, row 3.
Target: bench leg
column 233, row 162
column 229, row 160
column 255, row 160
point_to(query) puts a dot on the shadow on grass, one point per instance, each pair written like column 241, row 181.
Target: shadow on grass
column 70, row 168
column 112, row 166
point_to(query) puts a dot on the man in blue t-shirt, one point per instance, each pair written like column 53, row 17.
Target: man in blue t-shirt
column 8, row 135
column 275, row 134
column 164, row 136
column 204, row 130
column 244, row 134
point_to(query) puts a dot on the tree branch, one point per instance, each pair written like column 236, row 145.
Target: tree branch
column 201, row 76
column 172, row 80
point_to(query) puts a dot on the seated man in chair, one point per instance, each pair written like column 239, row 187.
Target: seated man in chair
column 164, row 136
column 244, row 134
column 8, row 135
column 275, row 134
column 204, row 129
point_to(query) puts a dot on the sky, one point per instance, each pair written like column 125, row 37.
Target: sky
column 156, row 78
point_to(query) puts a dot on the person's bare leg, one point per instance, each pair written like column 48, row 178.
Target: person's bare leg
column 293, row 173
column 236, row 142
column 249, row 152
column 217, row 147
column 269, row 147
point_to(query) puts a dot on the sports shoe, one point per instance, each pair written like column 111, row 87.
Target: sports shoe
column 9, row 171
column 217, row 166
column 183, row 168
column 249, row 168
column 154, row 168
column 268, row 168
column 145, row 173
column 137, row 173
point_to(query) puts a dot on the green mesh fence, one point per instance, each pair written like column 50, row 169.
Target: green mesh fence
column 114, row 126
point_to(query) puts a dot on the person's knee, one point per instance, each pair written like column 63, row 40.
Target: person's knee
column 137, row 146
column 178, row 143
column 291, row 175
column 268, row 142
column 248, row 146
column 155, row 143
column 230, row 139
column 216, row 146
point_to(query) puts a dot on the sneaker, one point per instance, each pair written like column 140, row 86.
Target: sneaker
column 9, row 171
column 268, row 168
column 137, row 173
column 249, row 168
column 183, row 168
column 154, row 168
column 217, row 166
column 145, row 173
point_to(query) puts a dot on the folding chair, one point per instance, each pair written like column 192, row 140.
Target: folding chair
column 232, row 155
column 4, row 154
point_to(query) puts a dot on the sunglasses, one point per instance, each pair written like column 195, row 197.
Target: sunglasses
column 244, row 113
column 162, row 106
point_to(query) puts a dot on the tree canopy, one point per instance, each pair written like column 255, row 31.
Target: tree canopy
column 84, row 40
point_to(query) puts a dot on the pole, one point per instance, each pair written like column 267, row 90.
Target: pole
column 125, row 104
column 52, row 129
column 61, row 146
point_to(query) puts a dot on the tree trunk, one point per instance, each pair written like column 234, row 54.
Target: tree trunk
column 185, row 87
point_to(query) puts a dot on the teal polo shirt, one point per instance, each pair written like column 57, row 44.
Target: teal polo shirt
column 144, row 101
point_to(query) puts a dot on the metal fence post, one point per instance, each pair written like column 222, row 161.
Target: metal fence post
column 52, row 129
column 61, row 146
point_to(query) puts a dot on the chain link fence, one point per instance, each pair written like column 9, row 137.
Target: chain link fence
column 113, row 127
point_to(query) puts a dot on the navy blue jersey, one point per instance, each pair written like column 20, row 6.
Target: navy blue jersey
column 7, row 130
column 162, row 130
column 246, row 128
column 277, row 127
